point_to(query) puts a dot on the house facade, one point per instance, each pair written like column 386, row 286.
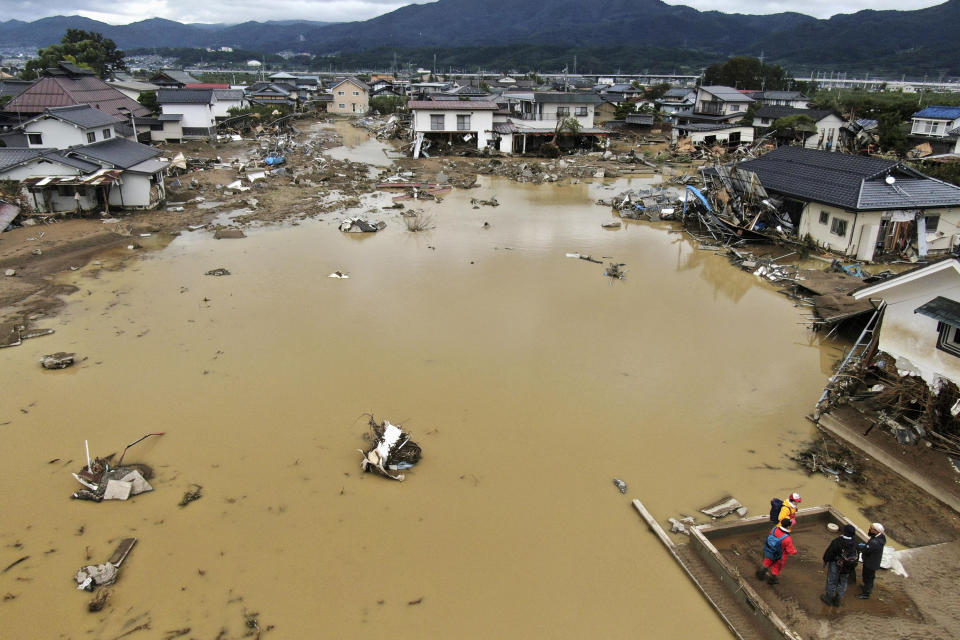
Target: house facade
column 860, row 206
column 829, row 125
column 194, row 106
column 716, row 104
column 921, row 319
column 794, row 99
column 350, row 96
column 703, row 133
column 937, row 126
column 442, row 122
column 62, row 127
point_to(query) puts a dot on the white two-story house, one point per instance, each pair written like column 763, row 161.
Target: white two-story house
column 715, row 104
column 937, row 126
column 196, row 108
column 536, row 117
column 62, row 127
column 444, row 123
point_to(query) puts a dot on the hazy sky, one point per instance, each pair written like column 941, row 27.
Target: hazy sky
column 233, row 11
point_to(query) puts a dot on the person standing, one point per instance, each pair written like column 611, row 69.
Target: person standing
column 871, row 551
column 790, row 507
column 778, row 546
column 840, row 559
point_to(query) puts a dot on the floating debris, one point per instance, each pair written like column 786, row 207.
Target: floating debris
column 195, row 492
column 615, row 270
column 361, row 225
column 92, row 576
column 724, row 507
column 338, row 274
column 220, row 271
column 620, row 484
column 102, row 481
column 393, row 450
column 58, row 360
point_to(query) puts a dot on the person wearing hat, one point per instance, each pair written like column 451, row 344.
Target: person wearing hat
column 840, row 559
column 790, row 507
column 778, row 546
column 871, row 551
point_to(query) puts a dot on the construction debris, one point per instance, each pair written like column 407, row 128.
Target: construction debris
column 392, row 450
column 195, row 492
column 724, row 507
column 218, row 272
column 58, row 360
column 92, row 576
column 119, row 482
column 361, row 225
column 620, row 484
column 616, row 271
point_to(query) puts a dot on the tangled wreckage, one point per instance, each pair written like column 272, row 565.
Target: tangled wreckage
column 392, row 450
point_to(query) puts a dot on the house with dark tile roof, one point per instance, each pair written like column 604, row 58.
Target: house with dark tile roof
column 196, row 108
column 716, row 104
column 172, row 78
column 862, row 206
column 63, row 127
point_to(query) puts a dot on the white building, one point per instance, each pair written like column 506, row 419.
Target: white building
column 197, row 108
column 828, row 124
column 447, row 121
column 921, row 321
column 862, row 206
column 62, row 127
column 710, row 134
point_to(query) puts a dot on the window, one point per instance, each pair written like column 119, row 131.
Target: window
column 91, row 137
column 339, row 93
column 949, row 339
column 463, row 123
column 356, row 93
column 581, row 111
column 106, row 134
column 734, row 107
column 563, row 112
column 932, row 223
column 838, row 227
column 824, row 217
column 436, row 122
column 35, row 138
column 342, row 106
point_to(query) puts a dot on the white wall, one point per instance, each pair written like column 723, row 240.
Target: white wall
column 36, row 169
column 133, row 191
column 914, row 336
column 481, row 122
column 828, row 130
column 58, row 134
column 194, row 115
column 820, row 232
column 934, row 127
column 722, row 135
column 550, row 113
column 221, row 108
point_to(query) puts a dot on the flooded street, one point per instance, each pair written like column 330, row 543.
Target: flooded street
column 529, row 379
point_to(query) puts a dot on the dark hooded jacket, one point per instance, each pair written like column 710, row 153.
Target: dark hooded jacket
column 872, row 551
column 836, row 550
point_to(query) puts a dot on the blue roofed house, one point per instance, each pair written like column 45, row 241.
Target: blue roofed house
column 871, row 208
column 937, row 126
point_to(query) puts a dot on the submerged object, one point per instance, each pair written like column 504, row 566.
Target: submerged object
column 393, row 450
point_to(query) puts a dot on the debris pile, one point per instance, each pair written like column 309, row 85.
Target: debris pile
column 392, row 450
column 58, row 360
column 649, row 204
column 101, row 481
column 99, row 575
column 361, row 225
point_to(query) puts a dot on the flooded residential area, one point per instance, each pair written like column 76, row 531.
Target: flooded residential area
column 528, row 377
column 288, row 352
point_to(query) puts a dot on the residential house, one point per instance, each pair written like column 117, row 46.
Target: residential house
column 424, row 90
column 710, row 134
column 621, row 91
column 536, row 116
column 271, row 93
column 829, row 125
column 162, row 128
column 350, row 96
column 937, row 126
column 920, row 328
column 67, row 85
column 445, row 122
column 859, row 205
column 604, row 112
column 716, row 104
column 113, row 173
column 63, row 127
column 133, row 88
column 196, row 106
column 227, row 99
column 794, row 99
column 676, row 99
column 172, row 79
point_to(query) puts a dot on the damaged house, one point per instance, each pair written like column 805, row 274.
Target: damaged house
column 536, row 117
column 196, row 109
column 921, row 319
column 716, row 105
column 859, row 206
column 449, row 122
column 828, row 125
column 938, row 127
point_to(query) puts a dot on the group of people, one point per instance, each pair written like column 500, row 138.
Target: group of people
column 840, row 559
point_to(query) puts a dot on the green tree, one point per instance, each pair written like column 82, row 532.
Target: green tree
column 83, row 48
column 149, row 100
column 655, row 92
column 794, row 128
column 744, row 72
column 387, row 104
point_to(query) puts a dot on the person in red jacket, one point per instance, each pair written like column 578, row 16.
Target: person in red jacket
column 778, row 546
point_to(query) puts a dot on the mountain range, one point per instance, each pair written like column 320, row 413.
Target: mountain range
column 923, row 40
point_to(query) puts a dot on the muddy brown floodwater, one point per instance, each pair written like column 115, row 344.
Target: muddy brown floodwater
column 529, row 379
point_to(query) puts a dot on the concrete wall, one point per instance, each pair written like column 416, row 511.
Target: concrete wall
column 904, row 333
column 133, row 192
column 821, row 234
column 61, row 135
